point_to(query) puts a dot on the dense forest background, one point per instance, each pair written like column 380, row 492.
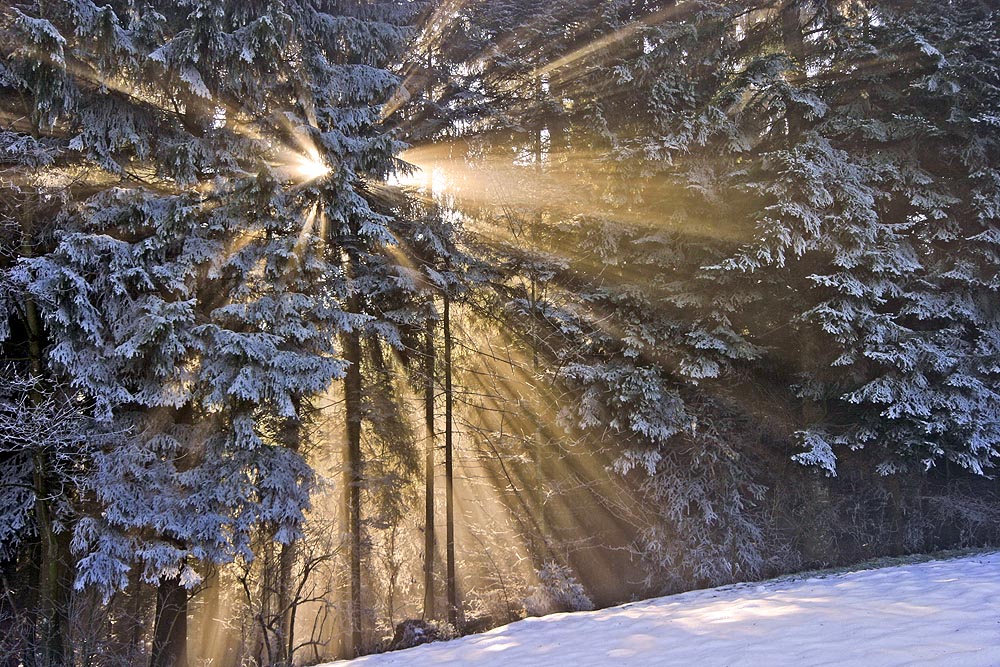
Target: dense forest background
column 320, row 315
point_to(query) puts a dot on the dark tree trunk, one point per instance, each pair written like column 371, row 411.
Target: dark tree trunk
column 791, row 32
column 353, row 479
column 449, row 471
column 291, row 438
column 286, row 603
column 53, row 587
column 540, row 551
column 170, row 629
column 13, row 649
column 429, row 542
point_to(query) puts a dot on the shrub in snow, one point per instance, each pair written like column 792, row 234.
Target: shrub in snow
column 557, row 590
column 414, row 632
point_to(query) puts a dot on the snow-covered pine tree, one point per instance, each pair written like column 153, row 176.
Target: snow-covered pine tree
column 910, row 296
column 216, row 240
column 769, row 223
column 369, row 36
column 818, row 134
column 814, row 237
column 570, row 254
column 39, row 176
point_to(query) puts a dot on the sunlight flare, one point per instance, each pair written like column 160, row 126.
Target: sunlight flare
column 307, row 168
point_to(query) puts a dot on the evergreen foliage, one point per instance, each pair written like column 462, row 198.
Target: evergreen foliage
column 185, row 261
column 787, row 204
column 736, row 260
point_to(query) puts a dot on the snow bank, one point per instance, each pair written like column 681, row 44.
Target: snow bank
column 943, row 613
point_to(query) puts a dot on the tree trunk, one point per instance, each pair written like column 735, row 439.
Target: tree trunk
column 291, row 438
column 53, row 589
column 352, row 478
column 286, row 603
column 819, row 541
column 170, row 629
column 11, row 613
column 791, row 33
column 897, row 515
column 449, row 472
column 429, row 545
column 541, row 551
column 794, row 44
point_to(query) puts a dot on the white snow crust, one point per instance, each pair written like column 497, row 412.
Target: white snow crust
column 943, row 613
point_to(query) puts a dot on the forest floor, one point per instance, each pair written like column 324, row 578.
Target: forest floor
column 943, row 612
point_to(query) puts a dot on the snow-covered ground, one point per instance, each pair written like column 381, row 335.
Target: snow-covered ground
column 943, row 613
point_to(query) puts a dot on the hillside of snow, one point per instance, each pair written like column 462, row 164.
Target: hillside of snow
column 942, row 613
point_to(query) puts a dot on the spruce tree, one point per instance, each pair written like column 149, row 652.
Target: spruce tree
column 217, row 158
column 754, row 194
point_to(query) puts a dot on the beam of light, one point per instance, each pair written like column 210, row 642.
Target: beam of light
column 299, row 160
column 428, row 179
column 308, row 226
column 133, row 89
column 574, row 188
column 605, row 42
column 306, row 167
column 513, row 418
column 429, row 38
column 416, row 178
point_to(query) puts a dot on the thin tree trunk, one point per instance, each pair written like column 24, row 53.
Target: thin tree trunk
column 52, row 622
column 352, row 478
column 170, row 623
column 286, row 603
column 292, row 439
column 292, row 610
column 449, row 471
column 53, row 597
column 429, row 542
column 897, row 515
column 794, row 44
column 53, row 594
column 170, row 630
column 539, row 129
column 10, row 611
column 540, row 551
column 791, row 32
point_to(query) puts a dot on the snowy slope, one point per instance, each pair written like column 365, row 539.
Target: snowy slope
column 938, row 613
